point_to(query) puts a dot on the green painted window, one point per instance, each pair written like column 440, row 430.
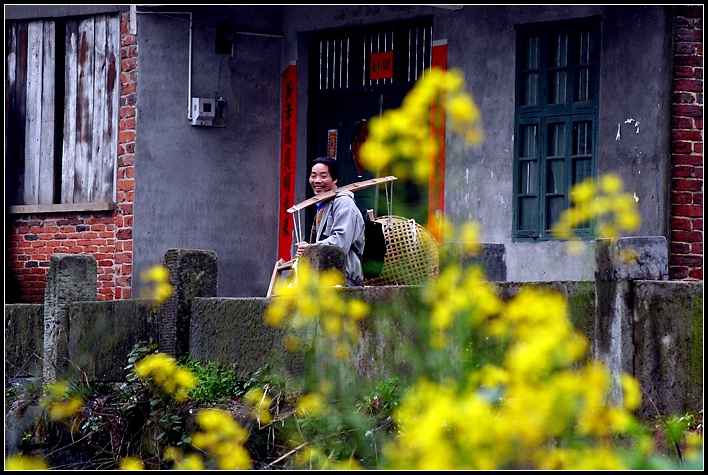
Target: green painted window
column 557, row 78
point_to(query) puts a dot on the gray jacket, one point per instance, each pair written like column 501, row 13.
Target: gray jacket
column 343, row 225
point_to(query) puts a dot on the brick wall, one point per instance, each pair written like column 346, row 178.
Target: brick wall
column 107, row 235
column 686, row 221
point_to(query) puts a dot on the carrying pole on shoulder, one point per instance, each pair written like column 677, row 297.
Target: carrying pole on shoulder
column 359, row 185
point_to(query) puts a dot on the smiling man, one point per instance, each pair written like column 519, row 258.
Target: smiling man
column 338, row 222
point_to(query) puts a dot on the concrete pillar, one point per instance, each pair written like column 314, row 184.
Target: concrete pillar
column 193, row 273
column 619, row 262
column 324, row 257
column 71, row 278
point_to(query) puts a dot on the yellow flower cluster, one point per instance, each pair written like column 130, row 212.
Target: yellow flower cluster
column 261, row 402
column 60, row 405
column 131, row 463
column 509, row 417
column 312, row 300
column 311, row 405
column 164, row 371
column 223, row 438
column 158, row 286
column 400, row 139
column 25, row 462
column 602, row 201
column 459, row 293
column 312, row 458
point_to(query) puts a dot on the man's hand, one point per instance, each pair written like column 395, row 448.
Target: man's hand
column 301, row 246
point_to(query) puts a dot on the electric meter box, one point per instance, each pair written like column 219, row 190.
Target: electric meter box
column 203, row 111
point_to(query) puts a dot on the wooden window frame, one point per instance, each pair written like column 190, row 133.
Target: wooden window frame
column 62, row 101
column 532, row 218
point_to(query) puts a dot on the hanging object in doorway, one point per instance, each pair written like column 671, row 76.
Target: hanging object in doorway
column 332, row 143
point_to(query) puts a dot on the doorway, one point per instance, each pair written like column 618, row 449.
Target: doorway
column 345, row 95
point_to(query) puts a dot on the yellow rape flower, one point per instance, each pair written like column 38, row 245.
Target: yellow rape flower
column 222, row 437
column 462, row 109
column 158, row 287
column 57, row 401
column 631, row 395
column 261, row 402
column 25, row 462
column 358, row 309
column 165, row 372
column 311, row 405
column 610, row 183
column 131, row 463
column 189, row 462
column 65, row 409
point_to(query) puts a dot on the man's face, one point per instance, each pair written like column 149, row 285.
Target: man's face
column 320, row 179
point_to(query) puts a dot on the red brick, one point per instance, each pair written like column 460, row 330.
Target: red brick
column 687, row 210
column 686, row 236
column 682, row 223
column 678, row 273
column 680, row 248
column 683, row 98
column 694, row 60
column 681, row 147
column 125, row 112
column 691, row 135
column 688, row 110
column 687, row 260
column 681, row 123
column 687, row 184
column 685, row 48
column 128, row 61
column 126, row 136
column 686, row 159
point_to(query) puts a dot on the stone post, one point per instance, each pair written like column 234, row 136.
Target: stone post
column 71, row 278
column 193, row 273
column 324, row 257
column 620, row 262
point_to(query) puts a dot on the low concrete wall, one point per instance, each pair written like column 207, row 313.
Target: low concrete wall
column 659, row 324
column 668, row 345
column 24, row 339
column 102, row 334
column 232, row 330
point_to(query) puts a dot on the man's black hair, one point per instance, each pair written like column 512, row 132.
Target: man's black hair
column 331, row 163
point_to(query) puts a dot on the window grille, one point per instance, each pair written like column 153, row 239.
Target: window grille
column 344, row 56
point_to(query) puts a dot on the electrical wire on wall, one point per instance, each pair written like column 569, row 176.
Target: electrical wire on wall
column 218, row 96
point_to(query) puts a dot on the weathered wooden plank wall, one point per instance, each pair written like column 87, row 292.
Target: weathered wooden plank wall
column 86, row 128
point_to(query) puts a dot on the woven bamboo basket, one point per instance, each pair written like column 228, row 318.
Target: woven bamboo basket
column 411, row 253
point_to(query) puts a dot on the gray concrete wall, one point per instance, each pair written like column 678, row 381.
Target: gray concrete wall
column 232, row 330
column 635, row 321
column 667, row 336
column 24, row 337
column 213, row 188
column 668, row 345
column 218, row 188
column 104, row 333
